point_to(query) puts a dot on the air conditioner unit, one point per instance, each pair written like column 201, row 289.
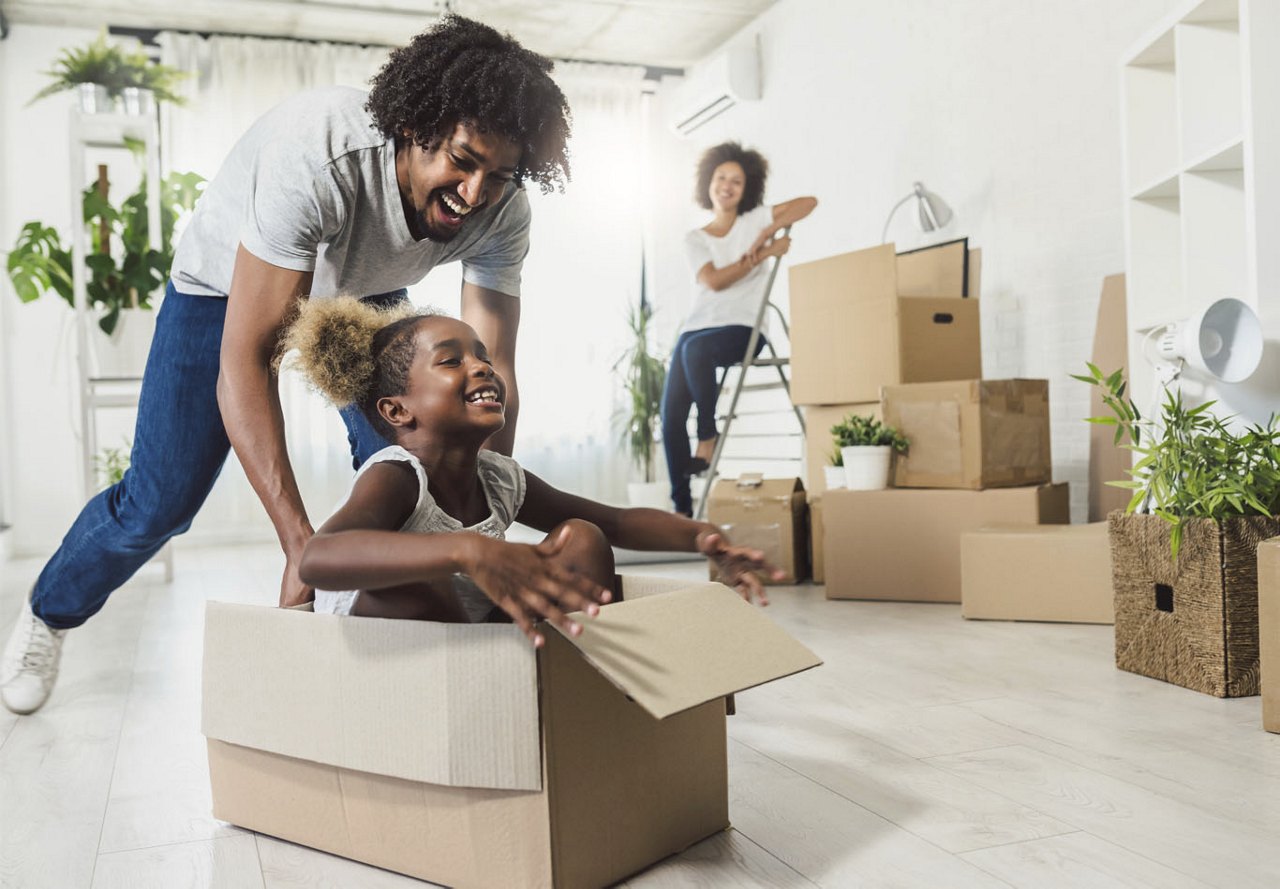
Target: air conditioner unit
column 713, row 88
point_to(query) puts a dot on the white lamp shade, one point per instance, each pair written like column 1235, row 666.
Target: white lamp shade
column 1223, row 340
column 931, row 210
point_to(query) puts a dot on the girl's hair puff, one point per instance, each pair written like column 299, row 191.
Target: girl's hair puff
column 354, row 352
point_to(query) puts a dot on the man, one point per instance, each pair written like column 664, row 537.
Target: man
column 333, row 191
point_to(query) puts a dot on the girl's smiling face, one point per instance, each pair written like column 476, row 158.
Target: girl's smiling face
column 728, row 181
column 452, row 386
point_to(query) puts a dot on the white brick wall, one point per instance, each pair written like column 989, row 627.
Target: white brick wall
column 1009, row 109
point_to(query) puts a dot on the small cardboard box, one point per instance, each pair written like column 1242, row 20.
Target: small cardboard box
column 853, row 332
column 971, row 433
column 903, row 544
column 816, row 531
column 1269, row 630
column 768, row 514
column 819, row 445
column 1043, row 573
column 458, row 753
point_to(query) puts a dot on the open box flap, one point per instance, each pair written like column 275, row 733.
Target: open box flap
column 676, row 650
column 451, row 704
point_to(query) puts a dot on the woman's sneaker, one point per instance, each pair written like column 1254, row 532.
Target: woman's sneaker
column 30, row 664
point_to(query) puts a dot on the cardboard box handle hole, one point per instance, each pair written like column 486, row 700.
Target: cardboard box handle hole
column 943, row 318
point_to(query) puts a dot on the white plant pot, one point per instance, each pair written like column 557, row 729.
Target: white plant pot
column 137, row 101
column 94, row 98
column 124, row 352
column 654, row 495
column 866, row 467
column 834, row 477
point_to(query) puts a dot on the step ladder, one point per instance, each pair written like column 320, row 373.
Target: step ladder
column 750, row 360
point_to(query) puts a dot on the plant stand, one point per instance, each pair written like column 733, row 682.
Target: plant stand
column 97, row 391
column 1194, row 622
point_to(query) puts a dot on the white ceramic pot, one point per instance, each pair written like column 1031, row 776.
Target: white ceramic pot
column 124, row 352
column 137, row 101
column 654, row 495
column 866, row 467
column 834, row 477
column 95, row 99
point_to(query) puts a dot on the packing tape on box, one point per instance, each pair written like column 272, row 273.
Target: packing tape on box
column 936, row 423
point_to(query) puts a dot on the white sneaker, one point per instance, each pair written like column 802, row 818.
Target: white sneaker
column 30, row 664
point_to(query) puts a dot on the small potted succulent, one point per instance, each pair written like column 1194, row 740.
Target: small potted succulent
column 833, row 472
column 867, row 447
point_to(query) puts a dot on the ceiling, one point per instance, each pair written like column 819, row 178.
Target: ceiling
column 655, row 33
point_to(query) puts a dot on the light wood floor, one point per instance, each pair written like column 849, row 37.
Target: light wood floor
column 927, row 752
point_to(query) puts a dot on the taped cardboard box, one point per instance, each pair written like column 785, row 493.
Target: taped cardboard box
column 852, row 332
column 971, row 433
column 458, row 753
column 819, row 445
column 1269, row 630
column 816, row 531
column 768, row 514
column 903, row 544
column 1058, row 573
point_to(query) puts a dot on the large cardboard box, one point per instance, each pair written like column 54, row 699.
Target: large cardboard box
column 459, row 754
column 971, row 433
column 1043, row 573
column 1269, row 630
column 936, row 270
column 819, row 445
column 816, row 532
column 852, row 332
column 1107, row 460
column 769, row 514
column 904, row 543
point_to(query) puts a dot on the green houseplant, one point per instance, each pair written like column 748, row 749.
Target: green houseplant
column 110, row 66
column 1184, row 551
column 643, row 376
column 111, row 464
column 866, row 447
column 117, row 278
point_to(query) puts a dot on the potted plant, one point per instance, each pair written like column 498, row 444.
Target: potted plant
column 124, row 269
column 102, row 72
column 111, row 464
column 643, row 376
column 1184, row 561
column 866, row 448
column 833, row 472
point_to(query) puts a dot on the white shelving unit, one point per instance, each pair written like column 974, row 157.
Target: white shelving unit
column 1202, row 154
column 98, row 392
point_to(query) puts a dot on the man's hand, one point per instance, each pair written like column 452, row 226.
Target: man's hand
column 739, row 566
column 530, row 584
column 292, row 589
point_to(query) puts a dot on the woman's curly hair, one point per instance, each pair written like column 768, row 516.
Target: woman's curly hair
column 463, row 71
column 355, row 353
column 753, row 164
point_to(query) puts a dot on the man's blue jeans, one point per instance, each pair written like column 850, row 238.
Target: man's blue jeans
column 692, row 379
column 179, row 446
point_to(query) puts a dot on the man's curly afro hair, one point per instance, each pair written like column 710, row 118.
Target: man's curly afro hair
column 463, row 71
column 753, row 164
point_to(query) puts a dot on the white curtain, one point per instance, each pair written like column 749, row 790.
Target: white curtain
column 583, row 267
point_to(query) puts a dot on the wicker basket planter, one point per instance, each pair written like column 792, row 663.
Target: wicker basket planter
column 1194, row 622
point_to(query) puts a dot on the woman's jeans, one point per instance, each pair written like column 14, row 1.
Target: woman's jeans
column 179, row 446
column 692, row 379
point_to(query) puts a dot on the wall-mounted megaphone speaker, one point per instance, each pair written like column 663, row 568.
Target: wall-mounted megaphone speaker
column 1223, row 341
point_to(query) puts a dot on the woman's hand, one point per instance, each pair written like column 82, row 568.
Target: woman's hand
column 754, row 252
column 530, row 584
column 738, row 565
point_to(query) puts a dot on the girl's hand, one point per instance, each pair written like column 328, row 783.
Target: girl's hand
column 738, row 565
column 530, row 584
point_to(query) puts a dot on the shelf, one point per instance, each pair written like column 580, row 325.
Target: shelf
column 111, row 130
column 1214, row 11
column 1151, row 124
column 1213, row 236
column 1160, row 52
column 1229, row 156
column 1209, row 85
column 1164, row 187
column 1155, row 260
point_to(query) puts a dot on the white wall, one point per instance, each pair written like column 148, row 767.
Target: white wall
column 1008, row 109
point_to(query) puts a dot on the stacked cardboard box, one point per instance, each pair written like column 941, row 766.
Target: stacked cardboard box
column 768, row 514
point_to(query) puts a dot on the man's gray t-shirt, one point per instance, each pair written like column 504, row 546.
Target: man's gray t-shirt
column 312, row 187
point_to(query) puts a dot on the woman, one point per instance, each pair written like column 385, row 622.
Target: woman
column 726, row 256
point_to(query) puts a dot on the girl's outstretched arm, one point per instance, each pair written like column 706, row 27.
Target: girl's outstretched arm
column 545, row 507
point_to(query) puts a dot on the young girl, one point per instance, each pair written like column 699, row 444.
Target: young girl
column 426, row 383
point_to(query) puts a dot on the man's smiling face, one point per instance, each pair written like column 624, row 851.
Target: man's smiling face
column 443, row 185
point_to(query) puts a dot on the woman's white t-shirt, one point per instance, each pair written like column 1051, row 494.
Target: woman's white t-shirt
column 502, row 480
column 739, row 302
